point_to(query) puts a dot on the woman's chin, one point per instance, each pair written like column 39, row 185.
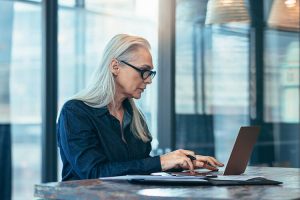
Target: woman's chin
column 137, row 96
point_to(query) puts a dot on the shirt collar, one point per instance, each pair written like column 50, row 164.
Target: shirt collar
column 103, row 110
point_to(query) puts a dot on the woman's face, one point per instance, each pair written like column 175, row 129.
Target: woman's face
column 129, row 81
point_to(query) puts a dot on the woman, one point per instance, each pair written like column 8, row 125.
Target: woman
column 100, row 130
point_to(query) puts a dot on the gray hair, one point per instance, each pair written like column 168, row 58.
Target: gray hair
column 100, row 91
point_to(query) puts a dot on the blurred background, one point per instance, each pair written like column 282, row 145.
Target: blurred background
column 221, row 64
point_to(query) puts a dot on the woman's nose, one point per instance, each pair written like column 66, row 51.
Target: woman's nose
column 148, row 80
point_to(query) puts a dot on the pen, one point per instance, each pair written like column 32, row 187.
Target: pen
column 191, row 157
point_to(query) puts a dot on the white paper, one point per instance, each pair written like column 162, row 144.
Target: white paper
column 151, row 177
column 160, row 174
column 236, row 177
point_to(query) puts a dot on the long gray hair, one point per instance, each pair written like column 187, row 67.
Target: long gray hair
column 100, row 91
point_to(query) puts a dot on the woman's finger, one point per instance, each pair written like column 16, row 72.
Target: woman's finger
column 183, row 154
column 206, row 159
column 189, row 163
column 217, row 162
column 183, row 164
column 201, row 158
column 211, row 162
column 187, row 152
column 208, row 163
column 198, row 164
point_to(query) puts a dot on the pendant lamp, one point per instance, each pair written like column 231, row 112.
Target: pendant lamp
column 225, row 11
column 285, row 15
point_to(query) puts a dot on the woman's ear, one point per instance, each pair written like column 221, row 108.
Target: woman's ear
column 114, row 67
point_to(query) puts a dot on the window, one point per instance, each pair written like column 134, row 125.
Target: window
column 281, row 103
column 20, row 102
column 84, row 29
column 282, row 76
column 210, row 61
column 214, row 91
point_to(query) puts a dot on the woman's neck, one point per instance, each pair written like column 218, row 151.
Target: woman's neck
column 118, row 103
column 116, row 109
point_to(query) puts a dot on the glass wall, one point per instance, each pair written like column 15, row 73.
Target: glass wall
column 213, row 87
column 210, row 61
column 281, row 110
column 281, row 82
column 20, row 101
column 84, row 28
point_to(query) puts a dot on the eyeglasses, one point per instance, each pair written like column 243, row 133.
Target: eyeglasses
column 145, row 73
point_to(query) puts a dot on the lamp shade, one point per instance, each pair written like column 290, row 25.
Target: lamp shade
column 285, row 15
column 224, row 11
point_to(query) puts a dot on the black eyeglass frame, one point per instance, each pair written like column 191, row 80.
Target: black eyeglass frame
column 142, row 71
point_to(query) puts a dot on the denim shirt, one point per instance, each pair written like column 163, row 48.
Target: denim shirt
column 91, row 145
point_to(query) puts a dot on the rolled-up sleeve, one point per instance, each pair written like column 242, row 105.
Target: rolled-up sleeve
column 81, row 147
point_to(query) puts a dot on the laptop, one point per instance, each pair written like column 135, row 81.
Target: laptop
column 236, row 165
column 239, row 156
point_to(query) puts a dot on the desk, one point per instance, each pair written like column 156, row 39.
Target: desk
column 95, row 189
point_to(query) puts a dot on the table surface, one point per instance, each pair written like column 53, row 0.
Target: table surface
column 97, row 189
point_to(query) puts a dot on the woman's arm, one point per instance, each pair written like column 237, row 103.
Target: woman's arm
column 81, row 146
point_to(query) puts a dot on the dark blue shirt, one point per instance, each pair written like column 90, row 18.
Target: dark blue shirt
column 91, row 144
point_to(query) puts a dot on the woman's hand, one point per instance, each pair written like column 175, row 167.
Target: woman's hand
column 178, row 159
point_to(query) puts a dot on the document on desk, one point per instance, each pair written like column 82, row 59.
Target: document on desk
column 235, row 177
column 155, row 176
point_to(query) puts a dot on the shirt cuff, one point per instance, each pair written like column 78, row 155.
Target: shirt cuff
column 152, row 164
